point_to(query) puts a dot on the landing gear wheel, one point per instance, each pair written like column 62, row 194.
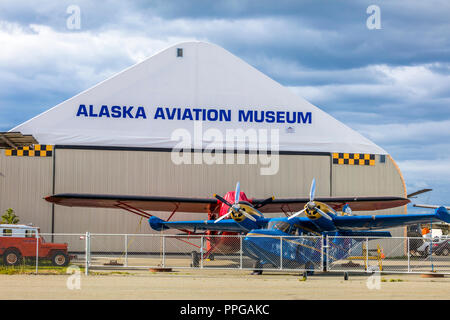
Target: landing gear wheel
column 60, row 259
column 12, row 257
column 345, row 275
column 257, row 266
column 195, row 259
column 309, row 268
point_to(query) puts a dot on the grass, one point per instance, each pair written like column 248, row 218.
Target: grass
column 26, row 269
column 51, row 270
column 392, row 280
column 97, row 273
column 29, row 267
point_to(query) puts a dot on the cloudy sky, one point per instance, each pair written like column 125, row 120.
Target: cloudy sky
column 391, row 84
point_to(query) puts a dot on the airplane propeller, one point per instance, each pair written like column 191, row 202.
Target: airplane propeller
column 234, row 207
column 311, row 205
column 264, row 202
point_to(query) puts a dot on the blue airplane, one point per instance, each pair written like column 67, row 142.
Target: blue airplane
column 236, row 214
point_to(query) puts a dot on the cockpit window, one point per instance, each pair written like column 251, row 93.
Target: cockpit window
column 282, row 226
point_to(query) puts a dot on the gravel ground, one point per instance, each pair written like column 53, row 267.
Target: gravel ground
column 216, row 284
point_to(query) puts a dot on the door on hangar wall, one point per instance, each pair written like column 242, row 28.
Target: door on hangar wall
column 153, row 173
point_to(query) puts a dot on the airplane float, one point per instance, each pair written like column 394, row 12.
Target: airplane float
column 236, row 214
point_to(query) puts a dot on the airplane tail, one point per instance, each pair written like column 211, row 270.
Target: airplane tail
column 442, row 214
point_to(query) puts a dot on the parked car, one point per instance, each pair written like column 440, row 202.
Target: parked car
column 19, row 241
column 443, row 248
column 439, row 246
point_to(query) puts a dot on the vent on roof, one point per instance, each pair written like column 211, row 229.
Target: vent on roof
column 179, row 52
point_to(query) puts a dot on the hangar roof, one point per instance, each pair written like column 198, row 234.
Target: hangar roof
column 194, row 91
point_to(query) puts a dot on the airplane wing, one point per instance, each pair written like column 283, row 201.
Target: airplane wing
column 356, row 203
column 184, row 204
column 429, row 206
column 388, row 221
column 144, row 203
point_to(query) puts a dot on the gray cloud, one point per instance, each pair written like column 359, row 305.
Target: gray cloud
column 329, row 34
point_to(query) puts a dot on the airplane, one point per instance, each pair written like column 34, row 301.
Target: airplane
column 236, row 214
column 416, row 193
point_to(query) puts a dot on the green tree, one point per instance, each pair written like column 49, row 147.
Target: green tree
column 10, row 217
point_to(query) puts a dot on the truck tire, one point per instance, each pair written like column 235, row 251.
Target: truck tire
column 12, row 257
column 60, row 259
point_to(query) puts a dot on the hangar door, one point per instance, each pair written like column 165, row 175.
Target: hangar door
column 133, row 172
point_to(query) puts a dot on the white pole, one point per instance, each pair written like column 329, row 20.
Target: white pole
column 87, row 253
column 408, row 253
column 367, row 254
column 281, row 253
column 126, row 250
column 240, row 253
column 321, row 253
column 37, row 251
column 201, row 252
column 163, row 251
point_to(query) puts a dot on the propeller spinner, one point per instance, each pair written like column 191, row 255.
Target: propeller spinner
column 312, row 207
column 235, row 210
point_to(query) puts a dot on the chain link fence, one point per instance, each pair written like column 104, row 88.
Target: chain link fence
column 45, row 253
column 390, row 255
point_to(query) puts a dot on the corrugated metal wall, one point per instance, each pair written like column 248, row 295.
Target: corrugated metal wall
column 382, row 179
column 153, row 173
column 23, row 184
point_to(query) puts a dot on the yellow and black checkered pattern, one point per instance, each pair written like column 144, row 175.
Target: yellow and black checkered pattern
column 358, row 159
column 38, row 150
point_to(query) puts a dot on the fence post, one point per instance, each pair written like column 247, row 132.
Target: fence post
column 409, row 254
column 126, row 250
column 327, row 252
column 367, row 254
column 321, row 252
column 281, row 253
column 431, row 253
column 201, row 252
column 87, row 253
column 163, row 262
column 240, row 252
column 37, row 251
